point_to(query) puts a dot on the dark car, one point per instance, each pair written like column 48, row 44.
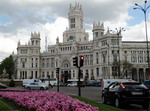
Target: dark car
column 3, row 86
column 124, row 93
column 147, row 84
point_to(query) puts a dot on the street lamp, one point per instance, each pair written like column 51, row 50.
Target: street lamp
column 108, row 44
column 118, row 32
column 144, row 9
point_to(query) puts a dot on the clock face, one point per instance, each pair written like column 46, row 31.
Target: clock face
column 71, row 38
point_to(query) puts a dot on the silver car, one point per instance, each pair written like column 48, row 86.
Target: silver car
column 36, row 85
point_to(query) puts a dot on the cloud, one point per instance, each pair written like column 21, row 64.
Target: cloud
column 24, row 14
column 49, row 17
column 136, row 33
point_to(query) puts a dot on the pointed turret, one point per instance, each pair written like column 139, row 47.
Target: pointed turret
column 19, row 42
column 108, row 31
column 75, row 17
column 98, row 30
column 57, row 40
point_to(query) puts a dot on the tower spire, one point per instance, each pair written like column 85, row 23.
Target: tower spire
column 45, row 43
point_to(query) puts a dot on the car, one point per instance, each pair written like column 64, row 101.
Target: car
column 93, row 83
column 49, row 81
column 147, row 83
column 62, row 84
column 3, row 86
column 36, row 85
column 125, row 93
column 27, row 81
column 106, row 82
column 72, row 84
column 75, row 83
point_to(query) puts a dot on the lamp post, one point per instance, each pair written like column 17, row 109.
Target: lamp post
column 118, row 32
column 108, row 44
column 144, row 9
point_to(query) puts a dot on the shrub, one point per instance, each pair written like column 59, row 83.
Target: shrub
column 12, row 83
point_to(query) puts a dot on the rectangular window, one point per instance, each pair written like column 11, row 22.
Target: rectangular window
column 97, row 72
column 96, row 34
column 115, row 57
column 72, row 25
column 36, row 74
column 20, row 74
column 91, row 59
column 31, row 74
column 73, row 20
column 73, row 74
column 32, row 42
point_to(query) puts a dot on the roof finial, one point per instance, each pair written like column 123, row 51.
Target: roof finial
column 108, row 31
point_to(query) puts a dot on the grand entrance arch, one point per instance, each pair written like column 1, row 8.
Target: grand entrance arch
column 65, row 71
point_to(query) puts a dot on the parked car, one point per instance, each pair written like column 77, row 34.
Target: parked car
column 93, row 83
column 36, row 85
column 49, row 81
column 3, row 86
column 74, row 83
column 62, row 84
column 27, row 81
column 124, row 93
column 147, row 83
column 106, row 82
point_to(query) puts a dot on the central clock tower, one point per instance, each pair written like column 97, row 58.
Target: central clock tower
column 75, row 32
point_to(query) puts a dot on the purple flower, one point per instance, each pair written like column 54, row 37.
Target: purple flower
column 47, row 101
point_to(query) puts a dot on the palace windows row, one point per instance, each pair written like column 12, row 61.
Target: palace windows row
column 48, row 62
column 23, row 51
column 26, row 74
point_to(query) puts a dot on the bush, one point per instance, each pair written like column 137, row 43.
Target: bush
column 12, row 83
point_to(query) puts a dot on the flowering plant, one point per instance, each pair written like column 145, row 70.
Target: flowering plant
column 47, row 101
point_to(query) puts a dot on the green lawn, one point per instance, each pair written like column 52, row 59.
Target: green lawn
column 6, row 105
column 102, row 107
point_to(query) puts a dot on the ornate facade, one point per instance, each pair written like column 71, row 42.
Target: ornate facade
column 99, row 53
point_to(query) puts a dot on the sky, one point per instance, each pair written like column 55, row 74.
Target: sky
column 18, row 18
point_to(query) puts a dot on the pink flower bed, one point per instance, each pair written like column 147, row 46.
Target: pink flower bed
column 47, row 101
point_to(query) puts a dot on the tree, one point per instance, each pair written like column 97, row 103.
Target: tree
column 125, row 68
column 8, row 64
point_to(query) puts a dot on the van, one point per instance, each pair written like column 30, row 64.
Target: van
column 51, row 81
column 27, row 81
column 107, row 82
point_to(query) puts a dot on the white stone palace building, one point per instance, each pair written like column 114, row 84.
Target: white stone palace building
column 98, row 53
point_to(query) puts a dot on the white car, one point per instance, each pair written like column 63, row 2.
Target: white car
column 72, row 84
column 27, row 81
column 36, row 85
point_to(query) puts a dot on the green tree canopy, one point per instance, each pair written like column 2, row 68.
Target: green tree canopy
column 8, row 64
column 124, row 66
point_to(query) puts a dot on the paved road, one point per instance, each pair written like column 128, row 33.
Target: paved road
column 93, row 93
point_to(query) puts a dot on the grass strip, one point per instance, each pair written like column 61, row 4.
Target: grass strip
column 4, row 106
column 10, row 105
column 102, row 107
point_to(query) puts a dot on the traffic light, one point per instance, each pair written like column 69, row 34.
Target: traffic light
column 81, row 61
column 57, row 70
column 75, row 61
